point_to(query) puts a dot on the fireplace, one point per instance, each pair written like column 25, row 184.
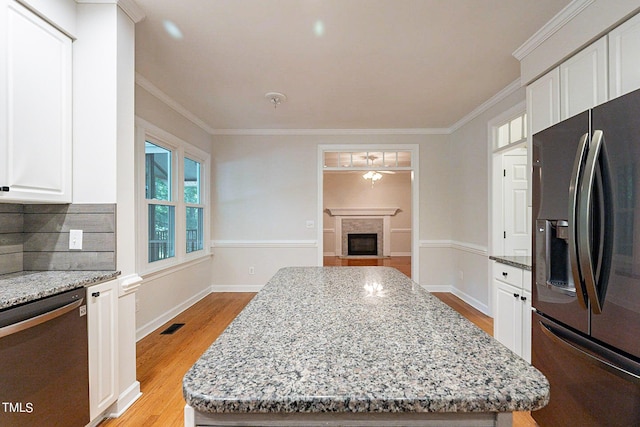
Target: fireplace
column 362, row 244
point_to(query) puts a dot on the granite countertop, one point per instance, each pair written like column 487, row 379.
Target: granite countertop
column 523, row 262
column 357, row 339
column 26, row 286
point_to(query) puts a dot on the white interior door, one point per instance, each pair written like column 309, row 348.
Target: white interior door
column 517, row 222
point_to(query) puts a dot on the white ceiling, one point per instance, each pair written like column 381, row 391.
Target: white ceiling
column 378, row 64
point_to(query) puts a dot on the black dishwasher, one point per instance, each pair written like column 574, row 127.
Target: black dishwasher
column 44, row 372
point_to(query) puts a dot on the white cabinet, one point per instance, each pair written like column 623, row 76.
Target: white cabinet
column 624, row 61
column 583, row 79
column 512, row 320
column 36, row 123
column 102, row 312
column 543, row 102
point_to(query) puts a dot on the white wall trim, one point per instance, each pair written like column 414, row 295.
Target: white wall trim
column 264, row 244
column 178, row 108
column 400, row 254
column 453, row 244
column 125, row 400
column 151, row 326
column 508, row 90
column 438, row 288
column 325, row 132
column 236, row 288
column 129, row 7
column 550, row 28
column 401, row 230
column 471, row 301
column 167, row 100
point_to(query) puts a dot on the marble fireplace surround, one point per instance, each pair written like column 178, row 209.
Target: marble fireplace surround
column 363, row 220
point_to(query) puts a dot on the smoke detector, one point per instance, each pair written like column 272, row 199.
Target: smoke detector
column 275, row 98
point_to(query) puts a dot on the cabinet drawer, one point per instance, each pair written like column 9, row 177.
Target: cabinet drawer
column 508, row 274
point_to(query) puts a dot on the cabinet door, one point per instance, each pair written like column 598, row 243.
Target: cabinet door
column 624, row 61
column 583, row 80
column 543, row 102
column 36, row 145
column 102, row 311
column 508, row 318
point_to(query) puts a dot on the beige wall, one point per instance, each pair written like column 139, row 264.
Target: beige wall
column 163, row 295
column 350, row 190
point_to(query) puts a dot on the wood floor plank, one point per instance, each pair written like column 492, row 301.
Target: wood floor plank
column 162, row 360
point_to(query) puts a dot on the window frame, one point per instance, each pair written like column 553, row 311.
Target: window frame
column 180, row 150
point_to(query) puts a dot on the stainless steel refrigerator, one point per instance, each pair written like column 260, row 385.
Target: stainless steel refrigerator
column 586, row 266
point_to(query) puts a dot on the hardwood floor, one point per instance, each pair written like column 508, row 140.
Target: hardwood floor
column 162, row 360
column 402, row 263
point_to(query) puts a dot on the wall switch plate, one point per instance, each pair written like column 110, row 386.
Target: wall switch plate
column 75, row 240
column 252, row 270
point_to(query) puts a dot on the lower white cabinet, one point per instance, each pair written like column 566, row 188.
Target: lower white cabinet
column 512, row 314
column 102, row 312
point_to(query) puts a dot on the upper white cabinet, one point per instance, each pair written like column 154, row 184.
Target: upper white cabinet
column 36, row 126
column 624, row 60
column 543, row 102
column 583, row 79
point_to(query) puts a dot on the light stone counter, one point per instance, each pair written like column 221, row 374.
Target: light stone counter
column 356, row 346
column 27, row 286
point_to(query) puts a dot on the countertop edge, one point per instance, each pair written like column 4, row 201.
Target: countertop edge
column 17, row 289
column 521, row 262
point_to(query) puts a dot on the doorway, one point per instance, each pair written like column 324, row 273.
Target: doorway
column 376, row 186
column 512, row 218
column 510, row 211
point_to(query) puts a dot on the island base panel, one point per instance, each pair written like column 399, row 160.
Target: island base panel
column 193, row 418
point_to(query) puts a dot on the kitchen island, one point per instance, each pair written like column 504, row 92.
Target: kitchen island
column 356, row 346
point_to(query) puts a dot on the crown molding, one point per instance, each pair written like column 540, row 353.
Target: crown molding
column 130, row 7
column 406, row 131
column 178, row 108
column 550, row 28
column 510, row 89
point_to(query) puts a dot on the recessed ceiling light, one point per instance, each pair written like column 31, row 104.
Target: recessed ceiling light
column 172, row 29
column 318, row 28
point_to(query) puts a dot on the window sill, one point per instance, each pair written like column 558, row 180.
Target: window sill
column 168, row 268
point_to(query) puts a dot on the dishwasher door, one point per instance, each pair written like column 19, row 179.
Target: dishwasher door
column 44, row 371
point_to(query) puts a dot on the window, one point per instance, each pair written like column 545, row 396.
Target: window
column 512, row 131
column 367, row 159
column 174, row 199
column 158, row 175
column 194, row 209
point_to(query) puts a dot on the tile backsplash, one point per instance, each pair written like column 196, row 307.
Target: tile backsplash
column 36, row 237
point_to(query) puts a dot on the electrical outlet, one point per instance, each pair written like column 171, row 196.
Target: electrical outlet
column 137, row 305
column 310, row 223
column 75, row 240
column 252, row 270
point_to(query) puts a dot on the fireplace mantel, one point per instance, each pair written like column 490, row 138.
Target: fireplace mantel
column 363, row 211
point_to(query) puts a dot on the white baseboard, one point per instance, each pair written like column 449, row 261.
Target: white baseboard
column 471, row 301
column 145, row 330
column 328, row 254
column 463, row 296
column 125, row 400
column 438, row 288
column 236, row 288
column 400, row 253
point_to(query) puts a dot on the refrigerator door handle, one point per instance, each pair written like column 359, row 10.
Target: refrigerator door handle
column 581, row 155
column 595, row 178
column 629, row 372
